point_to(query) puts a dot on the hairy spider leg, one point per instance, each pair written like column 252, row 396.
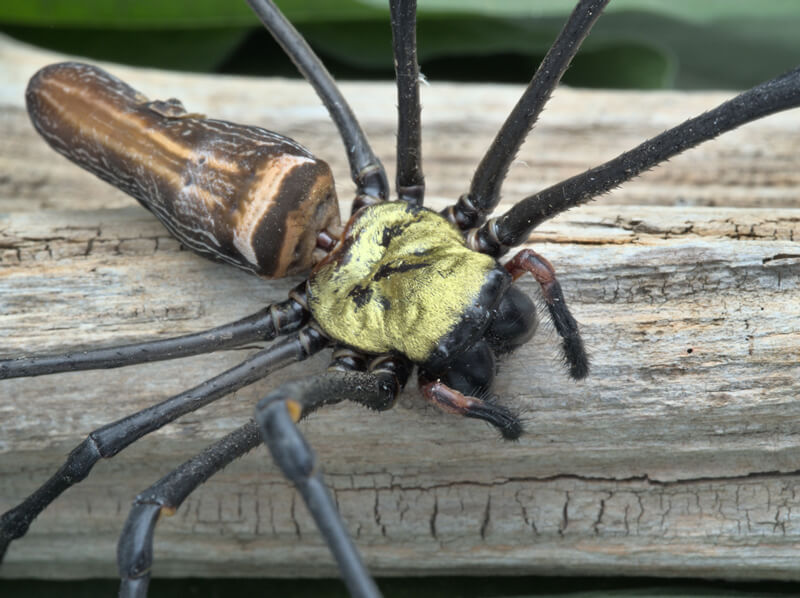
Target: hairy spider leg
column 452, row 401
column 542, row 270
column 274, row 320
column 410, row 181
column 276, row 415
column 109, row 440
column 135, row 548
column 366, row 169
column 473, row 207
column 500, row 234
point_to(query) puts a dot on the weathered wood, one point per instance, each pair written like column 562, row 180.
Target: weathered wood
column 679, row 455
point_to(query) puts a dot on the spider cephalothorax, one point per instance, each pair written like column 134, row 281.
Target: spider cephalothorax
column 398, row 287
column 402, row 280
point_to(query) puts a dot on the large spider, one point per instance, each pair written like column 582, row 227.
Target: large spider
column 399, row 286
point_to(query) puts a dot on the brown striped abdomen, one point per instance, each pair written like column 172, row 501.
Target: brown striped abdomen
column 244, row 195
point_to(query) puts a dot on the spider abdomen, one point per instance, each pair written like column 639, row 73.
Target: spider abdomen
column 240, row 194
column 403, row 281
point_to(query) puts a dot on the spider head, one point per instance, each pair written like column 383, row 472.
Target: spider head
column 471, row 370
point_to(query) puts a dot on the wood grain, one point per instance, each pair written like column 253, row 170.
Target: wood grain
column 679, row 455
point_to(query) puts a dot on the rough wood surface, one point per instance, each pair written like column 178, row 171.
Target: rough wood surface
column 679, row 455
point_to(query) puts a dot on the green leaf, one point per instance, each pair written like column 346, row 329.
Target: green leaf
column 167, row 49
column 644, row 43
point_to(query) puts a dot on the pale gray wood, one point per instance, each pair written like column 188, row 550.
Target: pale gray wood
column 679, row 455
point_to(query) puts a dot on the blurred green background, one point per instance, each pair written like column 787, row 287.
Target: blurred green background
column 637, row 44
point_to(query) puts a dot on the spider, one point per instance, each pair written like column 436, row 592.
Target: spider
column 398, row 287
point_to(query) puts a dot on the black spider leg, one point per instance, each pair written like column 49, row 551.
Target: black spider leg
column 450, row 400
column 484, row 194
column 135, row 548
column 498, row 235
column 366, row 170
column 410, row 180
column 109, row 440
column 542, row 270
column 277, row 319
column 277, row 415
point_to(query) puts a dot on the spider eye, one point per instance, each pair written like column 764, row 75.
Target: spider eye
column 472, row 372
column 514, row 322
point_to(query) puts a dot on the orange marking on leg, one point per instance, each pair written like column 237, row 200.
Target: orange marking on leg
column 528, row 260
column 447, row 399
column 295, row 410
column 542, row 270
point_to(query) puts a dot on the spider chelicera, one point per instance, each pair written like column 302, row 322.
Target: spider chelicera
column 398, row 287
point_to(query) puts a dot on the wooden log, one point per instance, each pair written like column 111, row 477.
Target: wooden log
column 679, row 455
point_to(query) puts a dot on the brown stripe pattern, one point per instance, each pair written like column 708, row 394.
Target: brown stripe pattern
column 240, row 194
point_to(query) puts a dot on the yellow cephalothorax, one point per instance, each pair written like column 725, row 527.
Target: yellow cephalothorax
column 401, row 281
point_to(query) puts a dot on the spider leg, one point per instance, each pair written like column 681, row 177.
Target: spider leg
column 366, row 169
column 135, row 548
column 109, row 440
column 498, row 235
column 452, row 401
column 410, row 180
column 484, row 194
column 276, row 320
column 528, row 260
column 277, row 415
